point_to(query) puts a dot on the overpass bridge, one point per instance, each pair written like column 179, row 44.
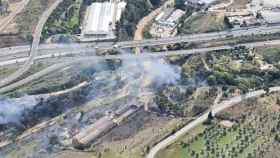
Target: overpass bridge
column 35, row 49
column 75, row 60
column 90, row 52
column 51, row 48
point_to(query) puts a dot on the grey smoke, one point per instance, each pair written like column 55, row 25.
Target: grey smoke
column 157, row 70
column 11, row 110
column 132, row 72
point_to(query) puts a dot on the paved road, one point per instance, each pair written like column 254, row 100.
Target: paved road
column 148, row 42
column 215, row 110
column 75, row 60
column 18, row 59
column 138, row 35
column 34, row 47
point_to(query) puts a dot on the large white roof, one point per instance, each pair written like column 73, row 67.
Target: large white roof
column 100, row 17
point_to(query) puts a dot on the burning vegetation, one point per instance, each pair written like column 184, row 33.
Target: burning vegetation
column 107, row 102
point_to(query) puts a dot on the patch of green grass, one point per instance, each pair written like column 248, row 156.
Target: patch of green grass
column 64, row 20
column 202, row 23
column 251, row 147
column 197, row 145
column 228, row 138
column 177, row 150
column 271, row 55
column 215, row 141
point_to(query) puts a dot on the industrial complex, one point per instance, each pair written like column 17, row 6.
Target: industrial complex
column 166, row 23
column 100, row 20
column 256, row 13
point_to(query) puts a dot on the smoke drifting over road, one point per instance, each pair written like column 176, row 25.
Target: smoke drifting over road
column 11, row 110
column 132, row 77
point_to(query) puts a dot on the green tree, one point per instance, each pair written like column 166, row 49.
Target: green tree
column 212, row 80
column 180, row 4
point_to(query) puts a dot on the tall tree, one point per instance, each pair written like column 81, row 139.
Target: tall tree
column 180, row 4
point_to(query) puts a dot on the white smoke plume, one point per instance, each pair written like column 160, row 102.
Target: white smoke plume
column 11, row 110
column 157, row 71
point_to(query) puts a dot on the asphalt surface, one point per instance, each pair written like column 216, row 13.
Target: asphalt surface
column 215, row 110
column 75, row 60
column 18, row 59
column 34, row 47
column 147, row 42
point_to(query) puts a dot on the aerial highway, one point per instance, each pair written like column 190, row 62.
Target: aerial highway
column 91, row 52
column 34, row 47
column 215, row 110
column 74, row 60
column 50, row 48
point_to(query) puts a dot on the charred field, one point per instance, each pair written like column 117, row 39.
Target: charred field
column 123, row 107
column 44, row 117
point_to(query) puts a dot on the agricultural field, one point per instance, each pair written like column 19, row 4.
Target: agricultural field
column 254, row 133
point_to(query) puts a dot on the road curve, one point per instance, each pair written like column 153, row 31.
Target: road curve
column 215, row 110
column 35, row 45
column 59, row 53
column 75, row 60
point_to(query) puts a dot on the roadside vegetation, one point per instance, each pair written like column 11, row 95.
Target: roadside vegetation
column 245, row 69
column 64, row 20
column 27, row 20
column 252, row 134
column 202, row 22
column 135, row 10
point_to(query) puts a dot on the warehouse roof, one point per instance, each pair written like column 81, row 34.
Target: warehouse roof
column 169, row 16
column 100, row 16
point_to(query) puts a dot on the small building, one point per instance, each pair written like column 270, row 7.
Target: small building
column 100, row 20
column 166, row 23
column 243, row 21
column 198, row 3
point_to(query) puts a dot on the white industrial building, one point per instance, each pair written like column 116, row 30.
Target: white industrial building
column 166, row 23
column 243, row 21
column 100, row 20
column 199, row 3
column 169, row 17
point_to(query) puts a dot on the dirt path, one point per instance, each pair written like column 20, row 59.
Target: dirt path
column 15, row 10
column 138, row 35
